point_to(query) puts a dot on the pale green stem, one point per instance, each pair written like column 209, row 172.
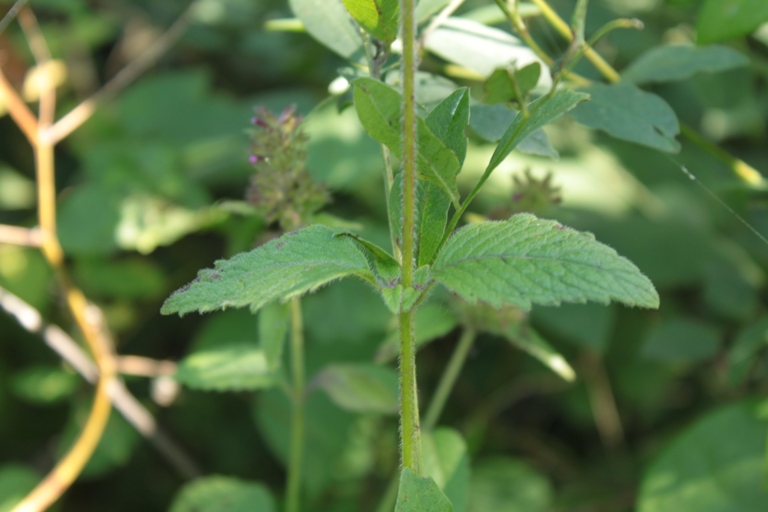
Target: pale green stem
column 448, row 379
column 409, row 403
column 293, row 489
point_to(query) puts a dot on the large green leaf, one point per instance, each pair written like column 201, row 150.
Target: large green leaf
column 625, row 112
column 379, row 17
column 445, row 459
column 420, row 495
column 527, row 260
column 329, row 22
column 541, row 112
column 223, row 494
column 360, row 387
column 720, row 20
column 296, row 263
column 234, row 367
column 449, row 119
column 678, row 62
column 379, row 108
column 508, row 485
column 716, row 465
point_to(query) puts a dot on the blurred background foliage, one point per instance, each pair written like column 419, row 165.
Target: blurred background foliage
column 665, row 411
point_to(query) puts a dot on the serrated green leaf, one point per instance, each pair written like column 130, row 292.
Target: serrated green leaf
column 449, row 119
column 233, row 367
column 329, row 22
column 508, row 485
column 541, row 112
column 379, row 108
column 720, row 20
column 273, row 328
column 717, row 464
column 625, row 112
column 526, row 260
column 223, row 494
column 380, row 18
column 433, row 320
column 490, row 122
column 678, row 62
column 289, row 266
column 445, row 459
column 420, row 495
column 363, row 388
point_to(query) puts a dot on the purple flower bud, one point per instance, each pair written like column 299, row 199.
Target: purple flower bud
column 254, row 159
column 256, row 120
column 287, row 113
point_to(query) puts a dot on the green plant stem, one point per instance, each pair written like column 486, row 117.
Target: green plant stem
column 448, row 379
column 293, row 489
column 410, row 429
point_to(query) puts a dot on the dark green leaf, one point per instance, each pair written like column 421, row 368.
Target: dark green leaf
column 448, row 120
column 507, row 85
column 717, row 464
column 227, row 368
column 380, row 18
column 379, row 108
column 223, row 494
column 541, row 112
column 720, row 20
column 741, row 357
column 329, row 22
column 420, row 495
column 433, row 206
column 625, row 112
column 526, row 260
column 363, row 388
column 678, row 62
column 445, row 459
column 508, row 485
column 682, row 340
column 289, row 266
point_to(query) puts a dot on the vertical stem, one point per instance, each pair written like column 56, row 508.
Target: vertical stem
column 448, row 379
column 409, row 403
column 293, row 490
column 410, row 430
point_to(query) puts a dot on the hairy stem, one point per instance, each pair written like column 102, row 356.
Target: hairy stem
column 448, row 379
column 293, row 489
column 410, row 429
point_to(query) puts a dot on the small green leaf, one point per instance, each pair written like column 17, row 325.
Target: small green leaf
column 380, row 18
column 420, row 495
column 433, row 320
column 678, row 62
column 625, row 112
column 273, row 327
column 329, row 22
column 717, row 464
column 490, row 122
column 526, row 260
column 720, row 20
column 741, row 357
column 289, row 266
column 445, row 459
column 541, row 112
column 387, row 266
column 223, row 494
column 44, row 384
column 364, row 388
column 449, row 119
column 379, row 108
column 433, row 206
column 227, row 368
column 508, row 485
column 504, row 84
column 400, row 299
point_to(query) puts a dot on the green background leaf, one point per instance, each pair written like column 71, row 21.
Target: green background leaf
column 329, row 22
column 720, row 20
column 223, row 494
column 420, row 495
column 508, row 485
column 446, row 461
column 678, row 62
column 360, row 387
column 227, row 368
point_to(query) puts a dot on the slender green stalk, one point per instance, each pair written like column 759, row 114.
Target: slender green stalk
column 409, row 402
column 448, row 379
column 293, row 489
